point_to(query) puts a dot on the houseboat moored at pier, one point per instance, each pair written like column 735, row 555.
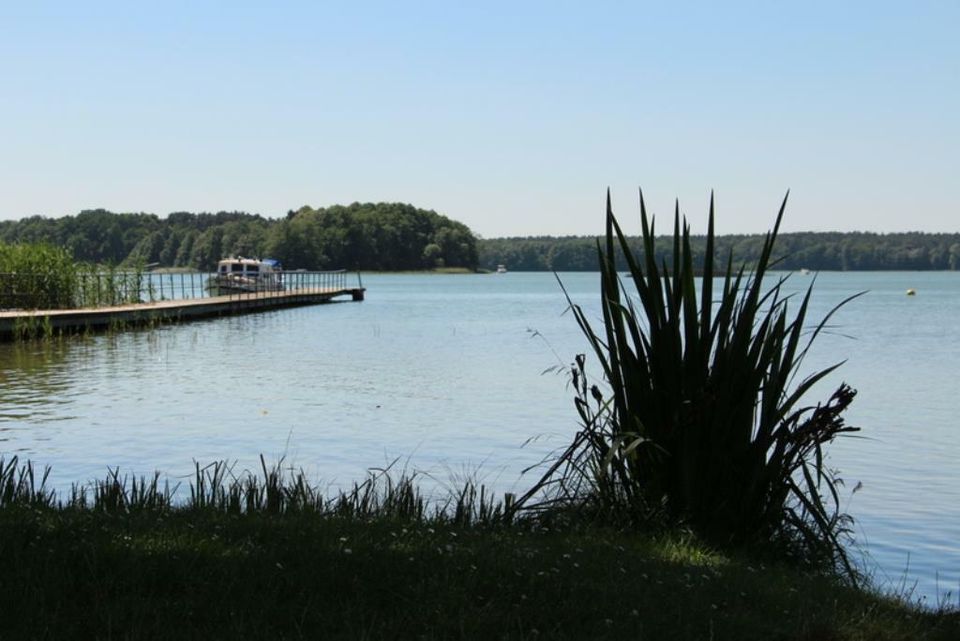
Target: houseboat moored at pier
column 239, row 275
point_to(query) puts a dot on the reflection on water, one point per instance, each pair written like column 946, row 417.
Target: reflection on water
column 35, row 387
column 446, row 372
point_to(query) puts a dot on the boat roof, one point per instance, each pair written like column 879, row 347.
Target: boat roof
column 249, row 261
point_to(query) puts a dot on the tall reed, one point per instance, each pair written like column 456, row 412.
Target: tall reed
column 20, row 485
column 36, row 276
column 701, row 421
column 39, row 276
column 275, row 490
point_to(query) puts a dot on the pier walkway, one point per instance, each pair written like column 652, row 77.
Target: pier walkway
column 183, row 298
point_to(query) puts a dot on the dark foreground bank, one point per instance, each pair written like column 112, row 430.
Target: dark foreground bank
column 273, row 561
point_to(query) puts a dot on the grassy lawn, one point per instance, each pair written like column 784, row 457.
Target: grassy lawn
column 184, row 574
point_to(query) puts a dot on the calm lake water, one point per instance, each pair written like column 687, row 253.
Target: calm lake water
column 447, row 374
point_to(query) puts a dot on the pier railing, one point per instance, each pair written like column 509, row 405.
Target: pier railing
column 24, row 291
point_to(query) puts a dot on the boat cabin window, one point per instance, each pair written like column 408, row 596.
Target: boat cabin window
column 236, row 267
column 253, row 269
column 223, row 269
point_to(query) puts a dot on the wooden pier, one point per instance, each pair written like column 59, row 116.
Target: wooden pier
column 27, row 323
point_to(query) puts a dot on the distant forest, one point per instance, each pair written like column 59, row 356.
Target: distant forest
column 825, row 251
column 381, row 236
column 398, row 236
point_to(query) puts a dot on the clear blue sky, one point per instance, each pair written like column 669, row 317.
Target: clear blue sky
column 512, row 117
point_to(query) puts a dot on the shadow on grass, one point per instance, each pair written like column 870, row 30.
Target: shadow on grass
column 366, row 568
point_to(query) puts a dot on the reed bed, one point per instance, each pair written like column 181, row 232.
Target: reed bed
column 39, row 276
column 275, row 490
column 36, row 276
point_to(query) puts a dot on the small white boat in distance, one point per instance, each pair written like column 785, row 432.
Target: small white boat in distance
column 241, row 274
column 501, row 269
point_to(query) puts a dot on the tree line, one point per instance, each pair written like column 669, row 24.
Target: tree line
column 370, row 236
column 399, row 236
column 818, row 251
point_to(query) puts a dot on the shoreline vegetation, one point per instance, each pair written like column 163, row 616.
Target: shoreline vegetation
column 268, row 556
column 694, row 502
column 401, row 237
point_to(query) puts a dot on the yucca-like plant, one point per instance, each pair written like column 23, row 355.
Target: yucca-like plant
column 702, row 422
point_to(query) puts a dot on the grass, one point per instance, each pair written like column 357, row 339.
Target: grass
column 120, row 560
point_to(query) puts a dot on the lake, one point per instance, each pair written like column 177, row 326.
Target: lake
column 456, row 377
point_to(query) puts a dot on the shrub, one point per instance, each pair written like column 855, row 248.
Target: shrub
column 700, row 424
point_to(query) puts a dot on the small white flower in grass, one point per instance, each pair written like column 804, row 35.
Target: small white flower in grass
column 347, row 551
column 279, row 565
column 343, row 539
column 634, row 613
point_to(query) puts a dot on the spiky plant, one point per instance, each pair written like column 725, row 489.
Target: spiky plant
column 701, row 422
